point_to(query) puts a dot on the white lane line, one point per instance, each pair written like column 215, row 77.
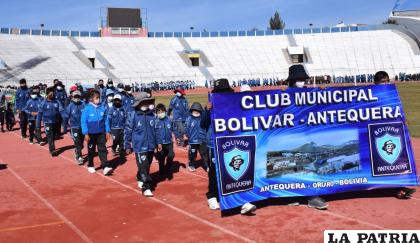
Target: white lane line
column 206, row 222
column 353, row 219
column 82, row 235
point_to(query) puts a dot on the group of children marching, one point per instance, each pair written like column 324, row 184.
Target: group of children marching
column 132, row 120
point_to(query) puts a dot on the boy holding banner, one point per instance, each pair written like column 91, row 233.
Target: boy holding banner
column 220, row 86
column 382, row 77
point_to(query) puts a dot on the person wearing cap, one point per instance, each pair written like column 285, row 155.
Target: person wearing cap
column 196, row 137
column 95, row 128
column 48, row 112
column 116, row 119
column 219, row 86
column 21, row 98
column 61, row 97
column 297, row 79
column 109, row 86
column 140, row 137
column 31, row 110
column 180, row 108
column 72, row 116
column 109, row 99
column 128, row 105
column 163, row 128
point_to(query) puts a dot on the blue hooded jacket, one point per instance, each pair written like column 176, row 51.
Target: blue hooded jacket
column 48, row 111
column 179, row 106
column 129, row 104
column 94, row 119
column 139, row 132
column 116, row 117
column 164, row 130
column 22, row 97
column 61, row 96
column 72, row 114
column 32, row 106
column 193, row 130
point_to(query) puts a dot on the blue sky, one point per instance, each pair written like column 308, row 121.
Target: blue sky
column 179, row 15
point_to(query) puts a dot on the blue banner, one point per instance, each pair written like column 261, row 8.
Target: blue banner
column 306, row 142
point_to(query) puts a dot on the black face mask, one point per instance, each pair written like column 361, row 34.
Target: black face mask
column 101, row 86
column 23, row 86
column 117, row 104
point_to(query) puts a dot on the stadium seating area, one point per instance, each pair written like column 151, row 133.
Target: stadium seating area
column 335, row 52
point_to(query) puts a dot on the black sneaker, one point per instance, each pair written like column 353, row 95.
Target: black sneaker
column 405, row 193
column 318, row 203
column 54, row 153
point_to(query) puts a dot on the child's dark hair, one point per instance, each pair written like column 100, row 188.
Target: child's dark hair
column 93, row 93
column 379, row 76
column 160, row 107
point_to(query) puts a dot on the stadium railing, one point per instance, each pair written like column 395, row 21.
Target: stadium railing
column 197, row 34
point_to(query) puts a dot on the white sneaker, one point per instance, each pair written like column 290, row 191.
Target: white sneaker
column 213, row 204
column 248, row 208
column 140, row 184
column 148, row 193
column 107, row 171
column 80, row 160
column 92, row 170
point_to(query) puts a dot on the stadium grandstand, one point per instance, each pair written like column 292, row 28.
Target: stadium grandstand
column 41, row 55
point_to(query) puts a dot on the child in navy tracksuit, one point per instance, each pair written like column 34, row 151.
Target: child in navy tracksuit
column 163, row 127
column 10, row 117
column 95, row 127
column 196, row 137
column 72, row 117
column 31, row 110
column 22, row 96
column 140, row 137
column 48, row 112
column 116, row 118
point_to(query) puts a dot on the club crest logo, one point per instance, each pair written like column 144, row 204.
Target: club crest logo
column 236, row 163
column 388, row 149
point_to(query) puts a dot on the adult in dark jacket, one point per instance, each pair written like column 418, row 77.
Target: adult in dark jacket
column 22, row 97
column 220, row 86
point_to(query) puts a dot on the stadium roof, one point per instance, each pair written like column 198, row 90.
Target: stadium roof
column 407, row 5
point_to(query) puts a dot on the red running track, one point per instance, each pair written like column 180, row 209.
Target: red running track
column 44, row 199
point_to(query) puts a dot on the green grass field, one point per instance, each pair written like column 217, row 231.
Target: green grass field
column 409, row 92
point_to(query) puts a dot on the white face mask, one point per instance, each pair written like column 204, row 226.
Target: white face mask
column 110, row 85
column 300, row 84
column 196, row 114
column 120, row 90
column 59, row 88
column 161, row 115
column 34, row 96
column 129, row 92
column 178, row 94
column 144, row 108
column 77, row 100
column 151, row 107
column 110, row 98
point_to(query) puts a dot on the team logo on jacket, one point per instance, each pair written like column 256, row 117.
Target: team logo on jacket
column 388, row 149
column 236, row 163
